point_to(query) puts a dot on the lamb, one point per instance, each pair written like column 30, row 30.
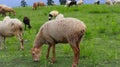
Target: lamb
column 53, row 14
column 26, row 21
column 11, row 28
column 66, row 30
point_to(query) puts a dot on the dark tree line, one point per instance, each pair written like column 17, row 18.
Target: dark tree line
column 50, row 2
column 23, row 3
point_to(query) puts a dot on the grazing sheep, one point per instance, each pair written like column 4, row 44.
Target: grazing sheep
column 71, row 3
column 97, row 2
column 116, row 1
column 26, row 21
column 108, row 2
column 59, row 16
column 13, row 27
column 2, row 11
column 80, row 2
column 66, row 30
column 7, row 9
column 37, row 4
column 52, row 14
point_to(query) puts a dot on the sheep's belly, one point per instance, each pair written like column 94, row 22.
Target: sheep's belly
column 6, row 35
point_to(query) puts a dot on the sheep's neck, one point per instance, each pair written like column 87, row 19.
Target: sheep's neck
column 38, row 41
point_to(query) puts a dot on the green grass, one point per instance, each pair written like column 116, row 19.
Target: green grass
column 99, row 48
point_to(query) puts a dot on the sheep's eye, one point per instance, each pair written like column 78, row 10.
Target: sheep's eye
column 12, row 24
column 20, row 29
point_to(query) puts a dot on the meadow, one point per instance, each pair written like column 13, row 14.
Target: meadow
column 100, row 46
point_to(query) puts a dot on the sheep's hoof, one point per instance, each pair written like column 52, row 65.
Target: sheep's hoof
column 5, row 47
column 74, row 65
column 21, row 48
column 52, row 61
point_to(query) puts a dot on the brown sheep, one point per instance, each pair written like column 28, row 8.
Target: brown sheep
column 37, row 4
column 6, row 9
column 66, row 30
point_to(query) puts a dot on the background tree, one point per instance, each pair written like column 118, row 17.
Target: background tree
column 50, row 2
column 62, row 2
column 23, row 3
column 72, row 0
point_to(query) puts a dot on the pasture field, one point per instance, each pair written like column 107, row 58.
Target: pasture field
column 99, row 48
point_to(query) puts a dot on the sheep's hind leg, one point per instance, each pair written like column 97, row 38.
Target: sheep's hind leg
column 5, row 43
column 0, row 45
column 76, row 55
column 1, row 39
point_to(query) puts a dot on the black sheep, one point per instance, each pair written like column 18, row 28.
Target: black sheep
column 26, row 21
column 97, row 2
column 72, row 3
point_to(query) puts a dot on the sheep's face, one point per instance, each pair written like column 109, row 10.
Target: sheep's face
column 17, row 29
column 35, row 54
column 50, row 16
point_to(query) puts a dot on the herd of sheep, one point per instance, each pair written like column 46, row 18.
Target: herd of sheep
column 58, row 29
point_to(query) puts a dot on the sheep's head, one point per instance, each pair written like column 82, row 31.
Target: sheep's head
column 35, row 53
column 50, row 16
column 16, row 27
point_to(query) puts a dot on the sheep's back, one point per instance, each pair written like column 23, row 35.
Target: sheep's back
column 63, row 28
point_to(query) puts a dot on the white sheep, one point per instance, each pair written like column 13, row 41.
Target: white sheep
column 59, row 16
column 13, row 27
column 53, row 14
column 116, row 1
column 66, row 30
column 80, row 2
column 109, row 2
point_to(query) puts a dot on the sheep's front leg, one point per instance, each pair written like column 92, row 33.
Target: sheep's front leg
column 21, row 44
column 19, row 36
column 25, row 26
column 53, row 51
column 47, row 56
